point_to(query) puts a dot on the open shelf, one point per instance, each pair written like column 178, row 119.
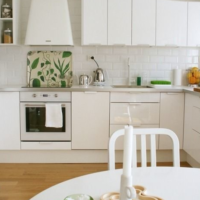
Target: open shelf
column 11, row 23
column 6, row 19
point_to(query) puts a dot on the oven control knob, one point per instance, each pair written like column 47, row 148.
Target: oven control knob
column 34, row 95
column 56, row 95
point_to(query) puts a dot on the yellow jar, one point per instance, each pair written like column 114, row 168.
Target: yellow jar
column 193, row 76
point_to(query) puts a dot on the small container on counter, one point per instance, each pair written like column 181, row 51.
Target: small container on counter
column 138, row 81
column 6, row 11
column 193, row 76
column 7, row 36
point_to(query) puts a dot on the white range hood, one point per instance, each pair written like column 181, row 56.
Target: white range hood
column 49, row 23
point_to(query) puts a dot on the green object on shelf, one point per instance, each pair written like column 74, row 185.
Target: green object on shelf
column 161, row 82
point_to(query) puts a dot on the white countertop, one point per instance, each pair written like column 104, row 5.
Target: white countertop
column 106, row 88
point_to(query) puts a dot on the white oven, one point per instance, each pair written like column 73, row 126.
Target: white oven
column 33, row 116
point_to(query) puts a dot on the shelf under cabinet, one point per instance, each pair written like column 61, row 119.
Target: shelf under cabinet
column 6, row 19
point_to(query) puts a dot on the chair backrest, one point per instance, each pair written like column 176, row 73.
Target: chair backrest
column 143, row 132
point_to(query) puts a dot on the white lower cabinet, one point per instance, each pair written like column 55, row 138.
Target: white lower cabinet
column 171, row 117
column 139, row 109
column 9, row 123
column 191, row 126
column 90, row 120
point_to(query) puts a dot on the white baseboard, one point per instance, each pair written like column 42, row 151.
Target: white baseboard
column 74, row 156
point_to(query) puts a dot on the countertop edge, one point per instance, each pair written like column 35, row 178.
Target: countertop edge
column 99, row 89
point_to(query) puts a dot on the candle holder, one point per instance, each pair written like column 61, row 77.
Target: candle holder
column 127, row 191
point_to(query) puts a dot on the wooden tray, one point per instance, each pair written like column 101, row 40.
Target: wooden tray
column 197, row 89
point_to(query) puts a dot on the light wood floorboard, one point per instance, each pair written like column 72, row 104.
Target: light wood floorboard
column 23, row 181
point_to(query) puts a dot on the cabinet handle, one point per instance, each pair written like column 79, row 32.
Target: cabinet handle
column 90, row 92
column 135, row 104
column 95, row 44
column 172, row 93
column 171, row 45
column 196, row 131
column 45, row 142
column 196, row 107
column 143, row 45
column 135, row 92
column 119, row 45
column 137, row 125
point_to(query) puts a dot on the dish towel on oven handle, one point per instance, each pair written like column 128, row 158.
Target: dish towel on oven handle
column 54, row 118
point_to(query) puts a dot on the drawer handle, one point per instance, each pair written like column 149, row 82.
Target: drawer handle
column 95, row 44
column 135, row 104
column 45, row 143
column 171, row 45
column 90, row 92
column 136, row 125
column 143, row 45
column 196, row 131
column 196, row 107
column 172, row 93
column 122, row 45
column 135, row 92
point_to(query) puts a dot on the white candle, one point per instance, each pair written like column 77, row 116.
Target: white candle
column 127, row 157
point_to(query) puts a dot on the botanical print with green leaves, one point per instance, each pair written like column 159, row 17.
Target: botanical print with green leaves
column 49, row 69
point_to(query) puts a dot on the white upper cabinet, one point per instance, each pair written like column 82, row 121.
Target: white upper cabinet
column 193, row 24
column 171, row 23
column 143, row 22
column 119, row 22
column 94, row 22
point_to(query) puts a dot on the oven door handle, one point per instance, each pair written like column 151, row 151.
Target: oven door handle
column 39, row 105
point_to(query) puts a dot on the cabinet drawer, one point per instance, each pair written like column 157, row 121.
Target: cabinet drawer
column 120, row 140
column 134, row 97
column 196, row 118
column 141, row 113
column 46, row 145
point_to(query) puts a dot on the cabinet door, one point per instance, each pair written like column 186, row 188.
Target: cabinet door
column 9, row 123
column 171, row 117
column 192, row 136
column 90, row 120
column 94, row 22
column 171, row 23
column 193, row 23
column 119, row 22
column 144, row 22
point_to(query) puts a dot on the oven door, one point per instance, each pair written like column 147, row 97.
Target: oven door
column 33, row 123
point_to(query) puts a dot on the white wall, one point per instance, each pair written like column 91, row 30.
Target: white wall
column 149, row 63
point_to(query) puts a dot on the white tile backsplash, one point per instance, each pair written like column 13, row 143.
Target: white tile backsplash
column 147, row 62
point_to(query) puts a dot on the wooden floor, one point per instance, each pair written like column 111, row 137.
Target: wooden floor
column 23, row 181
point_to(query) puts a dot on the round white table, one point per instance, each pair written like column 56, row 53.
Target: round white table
column 168, row 183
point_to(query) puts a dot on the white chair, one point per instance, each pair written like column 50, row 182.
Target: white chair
column 143, row 132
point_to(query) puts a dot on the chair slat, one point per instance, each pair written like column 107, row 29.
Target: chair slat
column 153, row 150
column 134, row 156
column 143, row 151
